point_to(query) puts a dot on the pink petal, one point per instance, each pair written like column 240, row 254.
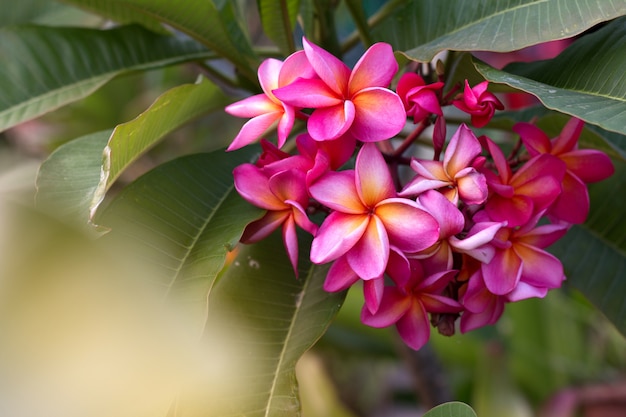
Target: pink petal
column 375, row 68
column 253, row 129
column 253, row 186
column 373, row 290
column 337, row 235
column 410, row 228
column 329, row 68
column 253, row 106
column 337, row 191
column 414, row 327
column 301, row 218
column 543, row 236
column 392, row 307
column 516, row 211
column 268, row 75
column 289, row 185
column 568, row 138
column 369, row 256
column 308, row 93
column 535, row 140
column 379, row 115
column 407, row 82
column 502, row 274
column 480, row 234
column 472, row 186
column 290, row 240
column 540, row 268
column 451, row 220
column 572, row 205
column 588, row 164
column 372, row 176
column 399, row 268
column 340, row 276
column 524, row 291
column 285, row 124
column 295, row 66
column 461, row 151
column 434, row 303
column 504, row 170
column 329, row 123
column 473, row 321
column 262, row 228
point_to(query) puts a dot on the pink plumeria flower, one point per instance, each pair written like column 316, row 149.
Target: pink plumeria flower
column 516, row 197
column 482, row 307
column 519, row 258
column 479, row 103
column 456, row 177
column 348, row 101
column 284, row 196
column 265, row 109
column 583, row 166
column 420, row 99
column 368, row 217
column 407, row 304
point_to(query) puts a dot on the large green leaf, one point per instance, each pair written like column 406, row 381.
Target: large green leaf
column 218, row 28
column 74, row 179
column 586, row 80
column 278, row 22
column 68, row 180
column 594, row 254
column 271, row 318
column 422, row 28
column 181, row 220
column 451, row 409
column 45, row 68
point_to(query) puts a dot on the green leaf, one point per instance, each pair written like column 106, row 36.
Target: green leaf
column 132, row 139
column 182, row 219
column 217, row 28
column 27, row 11
column 73, row 181
column 594, row 253
column 586, row 80
column 272, row 317
column 451, row 409
column 278, row 22
column 68, row 179
column 422, row 28
column 45, row 68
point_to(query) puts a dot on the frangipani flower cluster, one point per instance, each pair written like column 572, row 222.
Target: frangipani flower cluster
column 462, row 236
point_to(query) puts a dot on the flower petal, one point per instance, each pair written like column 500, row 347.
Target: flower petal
column 588, row 164
column 375, row 68
column 295, row 66
column 410, row 228
column 328, row 67
column 337, row 235
column 535, row 140
column 253, row 186
column 340, row 276
column 290, row 240
column 330, row 123
column 307, row 93
column 392, row 306
column 461, row 151
column 540, row 268
column 262, row 228
column 337, row 191
column 372, row 176
column 379, row 115
column 253, row 106
column 373, row 290
column 369, row 256
column 253, row 129
column 268, row 75
column 451, row 220
column 414, row 327
column 502, row 274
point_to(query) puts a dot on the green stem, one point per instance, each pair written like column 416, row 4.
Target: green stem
column 358, row 16
column 287, row 25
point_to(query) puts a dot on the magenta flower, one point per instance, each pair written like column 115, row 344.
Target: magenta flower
column 265, row 109
column 285, row 198
column 516, row 197
column 407, row 304
column 367, row 217
column 420, row 99
column 482, row 307
column 479, row 103
column 348, row 101
column 582, row 166
column 456, row 176
column 520, row 259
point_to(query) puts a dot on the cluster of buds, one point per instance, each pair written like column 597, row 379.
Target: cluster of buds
column 461, row 237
